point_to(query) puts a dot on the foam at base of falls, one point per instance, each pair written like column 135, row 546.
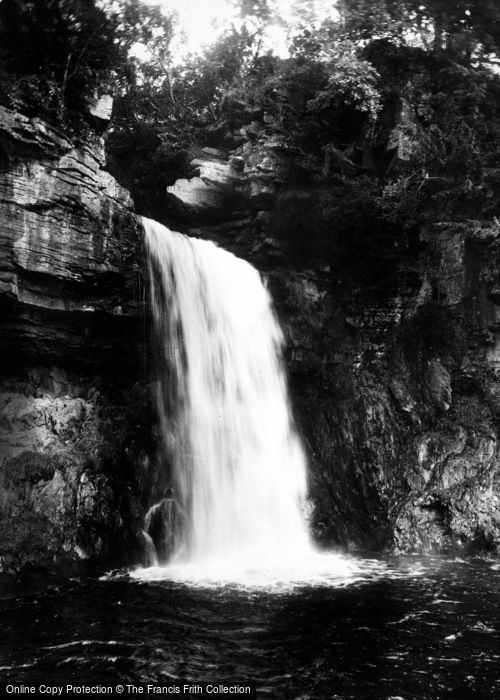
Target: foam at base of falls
column 314, row 568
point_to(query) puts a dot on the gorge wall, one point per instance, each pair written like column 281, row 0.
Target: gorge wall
column 74, row 407
column 393, row 370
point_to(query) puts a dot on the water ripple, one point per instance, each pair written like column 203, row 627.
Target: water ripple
column 388, row 630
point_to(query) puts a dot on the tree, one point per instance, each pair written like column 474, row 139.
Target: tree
column 68, row 52
column 462, row 28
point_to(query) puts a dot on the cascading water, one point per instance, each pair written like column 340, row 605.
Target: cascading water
column 239, row 468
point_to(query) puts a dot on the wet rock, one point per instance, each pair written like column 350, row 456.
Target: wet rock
column 400, row 392
column 438, row 385
column 68, row 491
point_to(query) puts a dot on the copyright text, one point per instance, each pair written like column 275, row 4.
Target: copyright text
column 178, row 689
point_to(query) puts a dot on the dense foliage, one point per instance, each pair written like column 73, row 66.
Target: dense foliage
column 396, row 104
column 58, row 56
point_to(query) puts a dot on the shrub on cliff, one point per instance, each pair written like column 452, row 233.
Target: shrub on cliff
column 58, row 56
column 413, row 118
column 54, row 55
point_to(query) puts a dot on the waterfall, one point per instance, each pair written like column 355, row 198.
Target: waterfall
column 239, row 471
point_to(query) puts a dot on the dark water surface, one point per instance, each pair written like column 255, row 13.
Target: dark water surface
column 430, row 631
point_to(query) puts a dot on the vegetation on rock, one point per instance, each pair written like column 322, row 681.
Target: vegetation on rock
column 396, row 104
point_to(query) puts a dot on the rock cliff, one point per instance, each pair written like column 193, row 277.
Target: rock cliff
column 394, row 370
column 71, row 354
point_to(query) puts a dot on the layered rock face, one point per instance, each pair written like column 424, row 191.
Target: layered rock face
column 394, row 377
column 72, row 410
column 70, row 254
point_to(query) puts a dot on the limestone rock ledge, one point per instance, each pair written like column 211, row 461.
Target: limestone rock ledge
column 70, row 351
column 69, row 247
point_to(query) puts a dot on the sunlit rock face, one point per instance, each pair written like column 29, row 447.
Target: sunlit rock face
column 213, row 189
column 72, row 411
column 394, row 377
column 69, row 248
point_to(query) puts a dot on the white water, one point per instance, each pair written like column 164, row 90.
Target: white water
column 239, row 468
